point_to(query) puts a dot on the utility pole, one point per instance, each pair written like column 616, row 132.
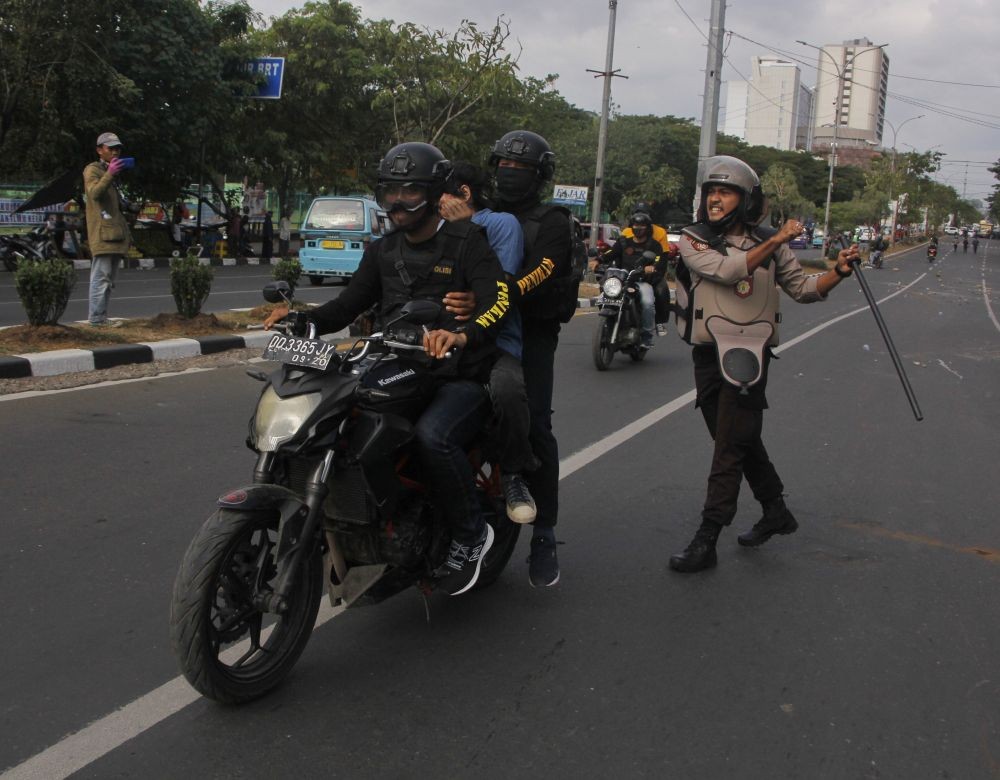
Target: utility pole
column 602, row 136
column 710, row 97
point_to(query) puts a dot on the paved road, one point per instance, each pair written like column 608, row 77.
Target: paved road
column 863, row 646
column 140, row 293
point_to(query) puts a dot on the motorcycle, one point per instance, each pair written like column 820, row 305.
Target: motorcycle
column 619, row 317
column 932, row 251
column 338, row 502
column 36, row 244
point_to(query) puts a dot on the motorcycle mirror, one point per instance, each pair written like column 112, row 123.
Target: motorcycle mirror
column 419, row 312
column 278, row 292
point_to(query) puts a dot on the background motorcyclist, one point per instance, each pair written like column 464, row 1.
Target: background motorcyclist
column 425, row 258
column 628, row 253
column 669, row 254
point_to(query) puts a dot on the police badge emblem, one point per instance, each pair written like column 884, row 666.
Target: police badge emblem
column 744, row 287
column 700, row 246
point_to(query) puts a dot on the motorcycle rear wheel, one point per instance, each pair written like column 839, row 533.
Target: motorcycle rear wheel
column 227, row 648
column 601, row 346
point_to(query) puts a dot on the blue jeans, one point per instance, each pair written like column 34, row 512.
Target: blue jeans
column 103, row 270
column 448, row 425
column 648, row 299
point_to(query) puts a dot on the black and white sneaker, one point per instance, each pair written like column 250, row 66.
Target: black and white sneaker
column 661, row 329
column 520, row 504
column 543, row 563
column 461, row 569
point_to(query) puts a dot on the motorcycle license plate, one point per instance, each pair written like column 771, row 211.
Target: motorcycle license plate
column 296, row 351
column 333, row 244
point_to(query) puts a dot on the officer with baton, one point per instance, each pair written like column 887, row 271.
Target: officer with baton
column 727, row 309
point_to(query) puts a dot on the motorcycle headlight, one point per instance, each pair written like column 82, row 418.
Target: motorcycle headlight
column 612, row 287
column 279, row 419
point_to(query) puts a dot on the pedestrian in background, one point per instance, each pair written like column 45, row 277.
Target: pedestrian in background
column 284, row 234
column 107, row 230
column 267, row 237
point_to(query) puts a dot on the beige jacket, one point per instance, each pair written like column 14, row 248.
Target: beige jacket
column 107, row 231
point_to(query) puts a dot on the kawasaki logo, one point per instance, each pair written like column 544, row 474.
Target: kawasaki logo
column 396, row 377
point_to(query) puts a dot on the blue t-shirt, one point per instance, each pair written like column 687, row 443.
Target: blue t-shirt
column 506, row 238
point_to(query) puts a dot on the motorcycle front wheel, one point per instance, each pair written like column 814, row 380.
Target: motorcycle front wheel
column 227, row 647
column 601, row 347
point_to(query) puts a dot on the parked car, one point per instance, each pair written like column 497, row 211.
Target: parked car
column 817, row 239
column 951, row 230
column 799, row 242
column 334, row 235
column 607, row 235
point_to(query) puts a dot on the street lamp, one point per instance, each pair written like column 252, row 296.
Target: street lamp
column 836, row 119
column 892, row 174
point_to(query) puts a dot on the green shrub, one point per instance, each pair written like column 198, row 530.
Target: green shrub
column 190, row 284
column 288, row 269
column 44, row 287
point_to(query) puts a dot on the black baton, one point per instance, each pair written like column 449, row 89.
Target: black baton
column 856, row 264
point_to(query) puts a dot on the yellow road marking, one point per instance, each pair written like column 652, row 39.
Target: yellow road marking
column 928, row 541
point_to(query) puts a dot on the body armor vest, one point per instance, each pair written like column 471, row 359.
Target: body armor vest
column 753, row 299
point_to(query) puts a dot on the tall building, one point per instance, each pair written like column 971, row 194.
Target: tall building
column 852, row 81
column 773, row 108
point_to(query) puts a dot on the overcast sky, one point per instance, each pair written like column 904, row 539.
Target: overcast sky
column 663, row 53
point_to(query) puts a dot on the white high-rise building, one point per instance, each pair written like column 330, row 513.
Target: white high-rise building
column 852, row 81
column 773, row 108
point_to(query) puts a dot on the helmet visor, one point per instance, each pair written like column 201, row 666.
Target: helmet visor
column 402, row 196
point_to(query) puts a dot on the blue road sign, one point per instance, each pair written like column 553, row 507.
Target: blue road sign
column 273, row 71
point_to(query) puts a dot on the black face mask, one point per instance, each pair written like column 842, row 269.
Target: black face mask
column 514, row 184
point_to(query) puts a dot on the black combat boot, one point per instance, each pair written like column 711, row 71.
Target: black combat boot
column 700, row 554
column 776, row 520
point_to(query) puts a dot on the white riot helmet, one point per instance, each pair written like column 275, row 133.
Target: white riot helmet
column 740, row 176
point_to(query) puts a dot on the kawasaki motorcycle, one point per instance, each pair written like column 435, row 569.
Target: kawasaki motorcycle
column 337, row 504
column 619, row 318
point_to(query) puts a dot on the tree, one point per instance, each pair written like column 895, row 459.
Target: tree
column 160, row 72
column 993, row 199
column 782, row 190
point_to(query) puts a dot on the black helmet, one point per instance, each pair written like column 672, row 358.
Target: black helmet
column 640, row 218
column 526, row 147
column 417, row 164
column 740, row 176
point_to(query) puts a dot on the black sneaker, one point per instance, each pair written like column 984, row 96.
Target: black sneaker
column 461, row 569
column 543, row 564
column 520, row 504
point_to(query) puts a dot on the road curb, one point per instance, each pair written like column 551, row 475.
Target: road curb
column 69, row 361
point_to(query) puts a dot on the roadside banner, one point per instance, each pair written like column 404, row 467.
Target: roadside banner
column 569, row 195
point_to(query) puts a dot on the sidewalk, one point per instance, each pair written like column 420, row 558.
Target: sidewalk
column 67, row 361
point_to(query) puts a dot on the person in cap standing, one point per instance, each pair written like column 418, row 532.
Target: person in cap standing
column 107, row 231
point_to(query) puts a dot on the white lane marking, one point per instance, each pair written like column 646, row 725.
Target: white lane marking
column 986, row 296
column 102, row 736
column 110, row 732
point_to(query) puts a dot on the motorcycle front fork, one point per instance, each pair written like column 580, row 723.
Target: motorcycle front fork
column 297, row 531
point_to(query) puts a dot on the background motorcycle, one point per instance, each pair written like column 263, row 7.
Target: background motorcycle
column 619, row 317
column 931, row 253
column 338, row 501
column 36, row 244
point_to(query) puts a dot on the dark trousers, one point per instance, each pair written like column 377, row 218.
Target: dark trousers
column 444, row 431
column 511, row 429
column 540, row 339
column 735, row 422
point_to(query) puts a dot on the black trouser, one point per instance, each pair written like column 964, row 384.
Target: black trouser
column 735, row 422
column 511, row 429
column 540, row 339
